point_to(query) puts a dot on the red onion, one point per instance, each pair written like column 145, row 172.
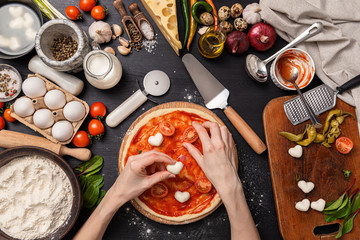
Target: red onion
column 237, row 43
column 262, row 36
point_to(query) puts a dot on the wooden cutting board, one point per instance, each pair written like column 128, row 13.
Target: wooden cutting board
column 318, row 164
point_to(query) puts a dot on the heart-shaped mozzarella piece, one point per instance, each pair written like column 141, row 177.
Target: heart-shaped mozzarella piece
column 182, row 196
column 156, row 140
column 175, row 168
column 303, row 206
column 306, row 187
column 318, row 205
column 296, row 151
column 16, row 11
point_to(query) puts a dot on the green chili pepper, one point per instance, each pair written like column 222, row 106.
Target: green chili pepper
column 292, row 137
column 186, row 16
column 325, row 144
column 319, row 138
column 335, row 112
column 311, row 132
column 194, row 8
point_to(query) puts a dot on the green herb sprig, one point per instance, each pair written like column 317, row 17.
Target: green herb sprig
column 91, row 182
column 346, row 207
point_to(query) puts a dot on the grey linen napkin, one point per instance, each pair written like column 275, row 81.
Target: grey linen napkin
column 336, row 51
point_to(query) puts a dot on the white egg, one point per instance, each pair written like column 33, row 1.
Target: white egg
column 74, row 111
column 24, row 107
column 55, row 99
column 43, row 118
column 34, row 87
column 62, row 130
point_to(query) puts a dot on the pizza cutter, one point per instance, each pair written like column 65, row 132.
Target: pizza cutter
column 156, row 83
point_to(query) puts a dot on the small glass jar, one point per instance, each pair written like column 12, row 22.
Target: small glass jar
column 102, row 69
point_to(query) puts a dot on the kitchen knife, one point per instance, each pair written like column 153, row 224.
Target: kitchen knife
column 216, row 96
column 9, row 139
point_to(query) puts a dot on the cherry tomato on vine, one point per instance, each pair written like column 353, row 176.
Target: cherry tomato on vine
column 87, row 5
column 98, row 110
column 81, row 139
column 159, row 190
column 8, row 117
column 96, row 128
column 99, row 12
column 1, row 104
column 190, row 135
column 344, row 145
column 2, row 123
column 203, row 185
column 73, row 13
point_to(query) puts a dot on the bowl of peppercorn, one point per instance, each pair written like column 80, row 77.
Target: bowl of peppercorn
column 62, row 45
column 10, row 83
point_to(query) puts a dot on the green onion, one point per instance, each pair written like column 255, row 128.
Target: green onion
column 48, row 10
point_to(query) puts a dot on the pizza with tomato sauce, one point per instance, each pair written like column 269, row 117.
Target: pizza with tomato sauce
column 190, row 195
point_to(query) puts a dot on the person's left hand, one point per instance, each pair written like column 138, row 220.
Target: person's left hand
column 134, row 179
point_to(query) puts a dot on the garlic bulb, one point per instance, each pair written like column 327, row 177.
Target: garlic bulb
column 100, row 32
column 251, row 13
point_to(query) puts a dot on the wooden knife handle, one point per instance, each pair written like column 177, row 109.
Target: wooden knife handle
column 245, row 131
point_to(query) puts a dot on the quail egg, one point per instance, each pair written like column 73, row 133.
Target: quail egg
column 24, row 107
column 43, row 118
column 62, row 130
column 55, row 99
column 34, row 87
column 74, row 111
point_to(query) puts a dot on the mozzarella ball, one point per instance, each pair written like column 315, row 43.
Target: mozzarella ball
column 62, row 130
column 24, row 107
column 34, row 87
column 74, row 111
column 55, row 99
column 43, row 118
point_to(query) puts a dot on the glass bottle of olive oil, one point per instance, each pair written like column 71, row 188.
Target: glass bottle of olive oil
column 211, row 43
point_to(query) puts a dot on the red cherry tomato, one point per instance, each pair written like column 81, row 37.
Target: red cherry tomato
column 81, row 139
column 96, row 128
column 98, row 110
column 98, row 12
column 159, row 190
column 203, row 185
column 1, row 104
column 73, row 13
column 344, row 145
column 8, row 117
column 2, row 123
column 87, row 5
column 190, row 135
column 167, row 128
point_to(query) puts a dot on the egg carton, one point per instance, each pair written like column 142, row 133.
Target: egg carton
column 57, row 114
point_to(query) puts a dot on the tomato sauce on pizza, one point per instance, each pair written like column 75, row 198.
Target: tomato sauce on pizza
column 191, row 179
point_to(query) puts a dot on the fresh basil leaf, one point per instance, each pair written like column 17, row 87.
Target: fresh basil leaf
column 91, row 196
column 90, row 167
column 344, row 211
column 349, row 224
column 335, row 205
column 96, row 180
column 83, row 182
column 356, row 203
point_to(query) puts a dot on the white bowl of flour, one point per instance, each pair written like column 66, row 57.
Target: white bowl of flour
column 39, row 194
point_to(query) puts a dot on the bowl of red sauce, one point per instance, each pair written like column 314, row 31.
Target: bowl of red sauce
column 293, row 57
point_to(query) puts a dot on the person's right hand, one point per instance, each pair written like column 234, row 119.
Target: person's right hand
column 218, row 160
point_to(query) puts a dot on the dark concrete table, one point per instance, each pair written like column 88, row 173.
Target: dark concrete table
column 247, row 97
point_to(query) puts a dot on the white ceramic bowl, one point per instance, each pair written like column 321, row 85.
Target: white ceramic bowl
column 305, row 65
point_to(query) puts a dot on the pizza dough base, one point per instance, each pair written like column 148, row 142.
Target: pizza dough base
column 215, row 202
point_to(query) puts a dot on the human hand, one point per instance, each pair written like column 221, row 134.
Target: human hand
column 218, row 160
column 134, row 179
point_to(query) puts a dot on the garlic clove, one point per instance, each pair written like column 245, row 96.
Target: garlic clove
column 110, row 50
column 123, row 50
column 117, row 30
column 124, row 42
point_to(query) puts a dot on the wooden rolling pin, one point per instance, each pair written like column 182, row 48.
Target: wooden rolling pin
column 9, row 139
